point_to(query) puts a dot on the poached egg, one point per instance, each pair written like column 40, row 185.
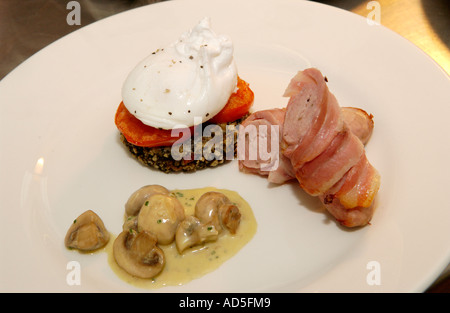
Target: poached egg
column 189, row 80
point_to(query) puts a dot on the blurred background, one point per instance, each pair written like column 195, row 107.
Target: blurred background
column 27, row 26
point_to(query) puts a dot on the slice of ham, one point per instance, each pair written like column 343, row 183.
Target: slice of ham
column 351, row 200
column 359, row 185
column 357, row 120
column 278, row 169
column 321, row 134
column 322, row 146
column 320, row 174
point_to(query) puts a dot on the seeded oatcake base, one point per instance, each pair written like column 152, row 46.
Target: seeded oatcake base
column 161, row 158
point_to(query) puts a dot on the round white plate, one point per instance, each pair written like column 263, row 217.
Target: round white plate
column 60, row 153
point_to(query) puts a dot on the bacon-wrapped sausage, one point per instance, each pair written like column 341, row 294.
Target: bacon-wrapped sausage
column 322, row 146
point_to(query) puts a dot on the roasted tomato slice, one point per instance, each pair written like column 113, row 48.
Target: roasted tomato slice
column 139, row 134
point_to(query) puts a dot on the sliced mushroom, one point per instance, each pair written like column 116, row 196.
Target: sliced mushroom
column 138, row 254
column 161, row 215
column 138, row 198
column 191, row 232
column 216, row 209
column 87, row 233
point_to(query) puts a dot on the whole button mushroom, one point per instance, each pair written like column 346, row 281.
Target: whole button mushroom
column 160, row 215
column 138, row 254
column 87, row 233
column 216, row 209
column 138, row 198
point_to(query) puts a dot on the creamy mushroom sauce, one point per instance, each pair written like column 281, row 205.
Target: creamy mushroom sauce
column 199, row 260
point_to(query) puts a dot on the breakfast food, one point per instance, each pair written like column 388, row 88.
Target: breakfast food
column 172, row 237
column 175, row 93
column 161, row 220
column 279, row 168
column 87, row 233
column 322, row 147
column 138, row 253
column 169, row 237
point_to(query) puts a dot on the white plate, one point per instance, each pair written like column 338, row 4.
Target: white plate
column 60, row 154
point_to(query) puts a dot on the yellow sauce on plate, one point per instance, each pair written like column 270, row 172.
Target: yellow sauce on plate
column 199, row 260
